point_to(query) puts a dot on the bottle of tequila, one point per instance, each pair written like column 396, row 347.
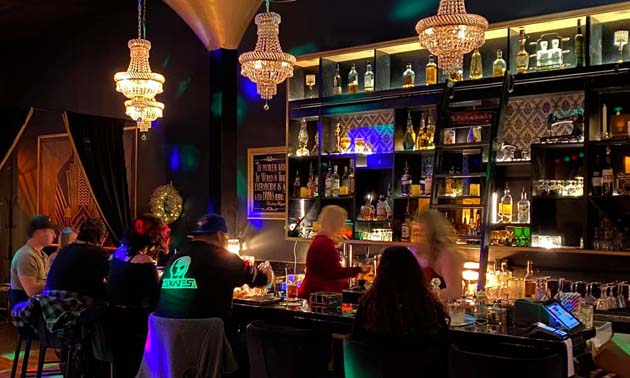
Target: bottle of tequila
column 410, row 136
column 579, row 45
column 368, row 79
column 431, row 71
column 353, row 80
column 505, row 206
column 335, row 182
column 409, row 77
column 302, row 140
column 337, row 82
column 476, row 65
column 523, row 206
column 405, row 182
column 430, row 131
column 498, row 67
column 522, row 57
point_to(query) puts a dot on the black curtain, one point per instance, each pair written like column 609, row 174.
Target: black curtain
column 12, row 120
column 99, row 145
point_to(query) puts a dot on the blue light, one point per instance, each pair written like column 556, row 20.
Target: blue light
column 249, row 89
column 174, row 161
column 380, row 138
column 257, row 224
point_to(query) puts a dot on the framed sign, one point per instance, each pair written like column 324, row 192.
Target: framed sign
column 266, row 183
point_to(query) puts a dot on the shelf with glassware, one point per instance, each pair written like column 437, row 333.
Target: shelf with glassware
column 555, row 42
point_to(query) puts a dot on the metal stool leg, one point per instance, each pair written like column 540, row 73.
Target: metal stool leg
column 40, row 360
column 69, row 362
column 27, row 352
column 16, row 357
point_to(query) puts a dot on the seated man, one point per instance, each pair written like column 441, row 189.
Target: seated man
column 82, row 267
column 200, row 280
column 29, row 266
column 68, row 236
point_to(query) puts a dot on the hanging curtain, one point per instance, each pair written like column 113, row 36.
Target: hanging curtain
column 98, row 142
column 14, row 120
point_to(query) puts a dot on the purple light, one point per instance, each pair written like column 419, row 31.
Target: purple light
column 379, row 137
column 249, row 89
column 174, row 160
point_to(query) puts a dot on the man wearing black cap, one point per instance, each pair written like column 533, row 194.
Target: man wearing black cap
column 29, row 266
column 199, row 281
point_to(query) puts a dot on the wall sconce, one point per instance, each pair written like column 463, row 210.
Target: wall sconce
column 234, row 246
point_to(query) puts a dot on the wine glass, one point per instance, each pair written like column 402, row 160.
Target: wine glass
column 621, row 39
column 310, row 82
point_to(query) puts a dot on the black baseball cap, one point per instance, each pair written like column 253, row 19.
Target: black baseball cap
column 208, row 224
column 40, row 222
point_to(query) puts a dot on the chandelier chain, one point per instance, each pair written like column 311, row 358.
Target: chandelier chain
column 144, row 19
column 267, row 5
column 139, row 19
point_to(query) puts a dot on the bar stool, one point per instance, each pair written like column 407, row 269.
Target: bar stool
column 284, row 352
column 24, row 334
column 5, row 305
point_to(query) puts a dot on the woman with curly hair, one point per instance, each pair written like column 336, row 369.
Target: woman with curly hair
column 133, row 290
column 437, row 253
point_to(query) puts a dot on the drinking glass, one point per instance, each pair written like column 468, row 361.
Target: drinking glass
column 621, row 39
column 359, row 145
column 586, row 315
column 456, row 311
column 292, row 287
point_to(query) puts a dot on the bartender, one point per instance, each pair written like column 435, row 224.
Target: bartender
column 323, row 268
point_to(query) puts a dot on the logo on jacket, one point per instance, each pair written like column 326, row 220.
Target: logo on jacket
column 178, row 278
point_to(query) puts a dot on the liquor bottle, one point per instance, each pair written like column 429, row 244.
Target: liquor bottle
column 579, row 45
column 498, row 67
column 405, row 226
column 368, row 85
column 431, row 71
column 351, row 181
column 367, row 210
column 543, row 55
column 430, row 130
column 353, row 80
column 409, row 77
column 296, row 185
column 337, row 82
column 302, row 140
column 405, row 182
column 316, row 186
column 478, row 223
column 335, row 182
column 607, row 175
column 422, row 142
column 315, row 149
column 428, row 180
column 310, row 186
column 457, row 75
column 523, row 206
column 410, row 136
column 505, row 207
column 596, row 181
column 328, row 184
column 381, row 209
column 522, row 57
column 530, row 280
column 344, row 179
column 337, row 138
column 556, row 53
column 476, row 65
column 389, row 201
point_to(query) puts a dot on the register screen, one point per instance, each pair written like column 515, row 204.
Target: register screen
column 562, row 315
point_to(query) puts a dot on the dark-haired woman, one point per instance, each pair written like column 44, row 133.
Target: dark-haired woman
column 400, row 311
column 133, row 291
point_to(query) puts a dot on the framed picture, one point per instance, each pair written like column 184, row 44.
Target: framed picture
column 266, row 183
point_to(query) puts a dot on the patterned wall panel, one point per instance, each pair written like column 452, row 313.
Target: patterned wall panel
column 526, row 116
column 377, row 129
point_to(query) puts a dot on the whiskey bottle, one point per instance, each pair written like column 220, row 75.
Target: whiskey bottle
column 522, row 57
column 344, row 180
column 498, row 67
column 409, row 77
column 421, row 139
column 310, row 186
column 410, row 136
column 430, row 130
column 328, row 184
column 337, row 82
column 302, row 140
column 296, row 185
column 405, row 226
column 368, row 85
column 335, row 182
column 596, row 180
column 367, row 210
column 381, row 209
column 476, row 65
column 579, row 45
column 607, row 175
column 351, row 181
column 505, row 206
column 523, row 206
column 405, row 182
column 353, row 80
column 530, row 280
column 389, row 201
column 428, row 180
column 431, row 71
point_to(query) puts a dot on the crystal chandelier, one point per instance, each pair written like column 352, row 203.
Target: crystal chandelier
column 267, row 65
column 138, row 83
column 451, row 33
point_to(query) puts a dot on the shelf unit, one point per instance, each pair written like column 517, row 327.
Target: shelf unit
column 383, row 113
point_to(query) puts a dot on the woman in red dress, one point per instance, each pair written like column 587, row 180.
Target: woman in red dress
column 323, row 268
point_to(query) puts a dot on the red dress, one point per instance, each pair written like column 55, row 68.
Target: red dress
column 323, row 269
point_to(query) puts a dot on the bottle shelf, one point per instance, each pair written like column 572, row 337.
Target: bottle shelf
column 555, row 146
column 621, row 197
column 302, row 198
column 411, row 197
column 418, row 152
column 556, row 198
column 373, row 221
column 516, row 163
column 610, row 142
column 447, row 197
column 561, row 250
column 461, row 146
column 309, row 157
column 456, row 207
column 459, row 176
column 340, row 198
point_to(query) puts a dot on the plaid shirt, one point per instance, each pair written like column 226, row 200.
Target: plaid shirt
column 60, row 309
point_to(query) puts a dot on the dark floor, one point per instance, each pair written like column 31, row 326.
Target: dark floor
column 8, row 340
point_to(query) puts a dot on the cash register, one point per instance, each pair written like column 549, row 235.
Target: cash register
column 549, row 320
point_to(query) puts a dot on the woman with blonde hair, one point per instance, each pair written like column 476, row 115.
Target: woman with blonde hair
column 323, row 269
column 437, row 254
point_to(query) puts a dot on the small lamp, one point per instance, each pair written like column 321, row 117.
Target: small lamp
column 470, row 276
